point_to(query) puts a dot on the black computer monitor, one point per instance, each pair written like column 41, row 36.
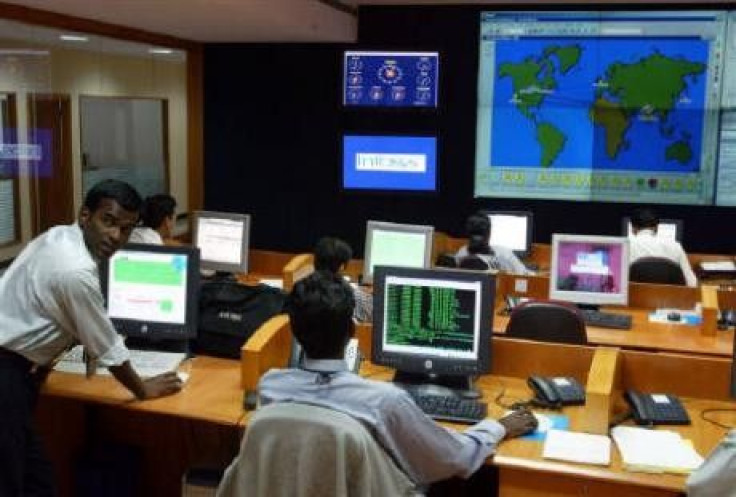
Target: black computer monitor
column 671, row 229
column 222, row 238
column 152, row 291
column 733, row 372
column 512, row 229
column 433, row 325
column 590, row 270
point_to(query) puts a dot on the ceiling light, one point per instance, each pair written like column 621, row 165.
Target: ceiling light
column 160, row 51
column 74, row 38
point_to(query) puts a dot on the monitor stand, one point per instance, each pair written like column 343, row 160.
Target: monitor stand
column 138, row 343
column 588, row 307
column 215, row 276
column 434, row 384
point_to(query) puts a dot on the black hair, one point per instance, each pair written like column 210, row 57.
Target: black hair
column 644, row 218
column 119, row 191
column 331, row 254
column 320, row 310
column 478, row 227
column 156, row 208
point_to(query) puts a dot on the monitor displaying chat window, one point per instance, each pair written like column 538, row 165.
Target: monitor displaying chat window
column 152, row 291
column 588, row 269
column 512, row 229
column 389, row 163
column 222, row 238
column 668, row 229
column 433, row 321
column 393, row 244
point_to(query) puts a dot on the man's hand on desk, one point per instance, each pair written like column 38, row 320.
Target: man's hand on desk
column 518, row 423
column 162, row 385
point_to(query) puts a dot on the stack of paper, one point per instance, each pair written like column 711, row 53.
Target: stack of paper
column 655, row 451
column 577, row 447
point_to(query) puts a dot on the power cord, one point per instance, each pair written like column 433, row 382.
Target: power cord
column 704, row 412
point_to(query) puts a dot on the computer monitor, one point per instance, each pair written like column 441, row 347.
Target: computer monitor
column 392, row 244
column 222, row 238
column 433, row 325
column 733, row 372
column 670, row 229
column 152, row 291
column 512, row 229
column 591, row 270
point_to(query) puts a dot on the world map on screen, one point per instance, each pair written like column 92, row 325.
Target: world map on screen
column 599, row 104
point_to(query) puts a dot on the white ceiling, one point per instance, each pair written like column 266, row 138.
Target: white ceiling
column 252, row 20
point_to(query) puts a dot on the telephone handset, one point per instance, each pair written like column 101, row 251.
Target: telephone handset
column 555, row 392
column 352, row 355
column 657, row 408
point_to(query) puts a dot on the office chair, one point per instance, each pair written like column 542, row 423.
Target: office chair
column 656, row 270
column 299, row 449
column 473, row 262
column 547, row 321
column 446, row 260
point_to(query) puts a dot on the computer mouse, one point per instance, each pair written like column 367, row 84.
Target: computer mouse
column 673, row 316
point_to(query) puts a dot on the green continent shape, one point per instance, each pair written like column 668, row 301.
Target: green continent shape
column 655, row 82
column 679, row 151
column 568, row 56
column 552, row 141
column 614, row 120
column 526, row 77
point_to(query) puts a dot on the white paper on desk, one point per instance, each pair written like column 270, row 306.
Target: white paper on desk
column 718, row 266
column 273, row 282
column 655, row 451
column 577, row 447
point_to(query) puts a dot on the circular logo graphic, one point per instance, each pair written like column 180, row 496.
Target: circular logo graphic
column 428, row 364
column 389, row 74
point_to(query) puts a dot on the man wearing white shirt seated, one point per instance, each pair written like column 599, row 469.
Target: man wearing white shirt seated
column 646, row 243
column 157, row 220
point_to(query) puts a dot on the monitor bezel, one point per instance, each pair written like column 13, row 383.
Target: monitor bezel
column 242, row 266
column 590, row 298
column 426, row 364
column 626, row 222
column 390, row 191
column 529, row 215
column 156, row 330
column 371, row 226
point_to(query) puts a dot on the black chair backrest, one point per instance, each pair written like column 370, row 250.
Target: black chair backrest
column 546, row 321
column 473, row 262
column 656, row 270
column 446, row 260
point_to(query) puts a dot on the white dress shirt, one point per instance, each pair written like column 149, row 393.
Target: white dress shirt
column 647, row 244
column 426, row 451
column 144, row 234
column 50, row 298
column 503, row 259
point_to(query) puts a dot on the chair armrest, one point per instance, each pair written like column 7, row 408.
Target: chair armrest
column 269, row 347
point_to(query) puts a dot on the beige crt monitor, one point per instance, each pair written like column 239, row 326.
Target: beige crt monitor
column 393, row 244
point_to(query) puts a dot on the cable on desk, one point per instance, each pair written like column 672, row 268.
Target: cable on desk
column 713, row 421
column 513, row 406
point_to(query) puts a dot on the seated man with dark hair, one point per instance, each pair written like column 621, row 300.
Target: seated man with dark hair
column 478, row 226
column 332, row 255
column 157, row 220
column 646, row 243
column 320, row 310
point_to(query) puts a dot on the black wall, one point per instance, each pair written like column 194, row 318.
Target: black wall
column 273, row 127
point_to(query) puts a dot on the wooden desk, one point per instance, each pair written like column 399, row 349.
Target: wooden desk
column 198, row 426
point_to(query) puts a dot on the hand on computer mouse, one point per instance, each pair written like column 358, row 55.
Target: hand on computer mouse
column 519, row 423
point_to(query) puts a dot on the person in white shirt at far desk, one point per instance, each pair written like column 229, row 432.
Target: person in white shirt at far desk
column 478, row 227
column 320, row 311
column 50, row 300
column 646, row 243
column 157, row 220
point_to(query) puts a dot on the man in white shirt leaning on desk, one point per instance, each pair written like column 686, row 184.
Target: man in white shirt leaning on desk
column 320, row 311
column 646, row 243
column 50, row 300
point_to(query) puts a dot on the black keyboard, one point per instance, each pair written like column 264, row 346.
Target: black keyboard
column 606, row 320
column 450, row 408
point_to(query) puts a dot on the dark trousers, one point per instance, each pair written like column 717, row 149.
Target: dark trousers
column 24, row 469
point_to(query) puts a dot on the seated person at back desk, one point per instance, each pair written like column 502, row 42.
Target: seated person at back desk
column 320, row 310
column 332, row 255
column 157, row 220
column 478, row 227
column 646, row 243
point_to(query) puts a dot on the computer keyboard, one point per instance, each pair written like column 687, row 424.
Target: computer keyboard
column 450, row 408
column 606, row 320
column 147, row 363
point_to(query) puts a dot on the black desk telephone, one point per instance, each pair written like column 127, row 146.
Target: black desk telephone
column 656, row 409
column 555, row 392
